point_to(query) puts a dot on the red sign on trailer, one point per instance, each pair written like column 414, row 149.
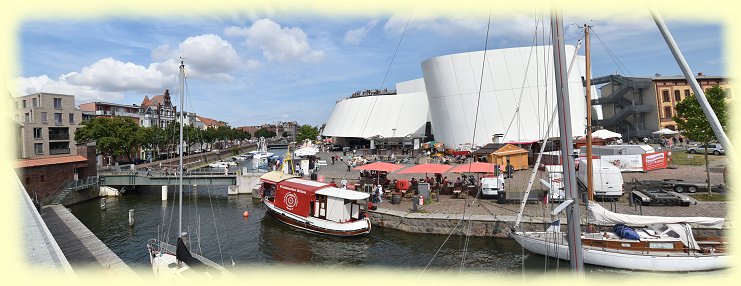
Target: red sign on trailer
column 653, row 161
column 296, row 195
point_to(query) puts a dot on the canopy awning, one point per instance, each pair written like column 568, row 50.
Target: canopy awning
column 379, row 166
column 475, row 167
column 343, row 194
column 665, row 131
column 426, row 169
column 276, row 176
column 606, row 134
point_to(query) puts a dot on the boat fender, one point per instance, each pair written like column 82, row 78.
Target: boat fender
column 246, row 214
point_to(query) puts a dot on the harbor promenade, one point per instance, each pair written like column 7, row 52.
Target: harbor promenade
column 80, row 246
column 440, row 215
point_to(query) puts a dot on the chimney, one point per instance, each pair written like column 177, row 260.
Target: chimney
column 497, row 138
column 700, row 74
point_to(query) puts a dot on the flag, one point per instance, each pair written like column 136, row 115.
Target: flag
column 545, row 199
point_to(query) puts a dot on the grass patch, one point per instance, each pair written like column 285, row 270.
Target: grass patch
column 684, row 158
column 714, row 197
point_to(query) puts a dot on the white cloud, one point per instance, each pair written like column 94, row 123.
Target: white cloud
column 354, row 36
column 116, row 76
column 206, row 56
column 277, row 43
column 29, row 85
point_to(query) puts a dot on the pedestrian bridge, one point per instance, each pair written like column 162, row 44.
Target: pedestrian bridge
column 143, row 178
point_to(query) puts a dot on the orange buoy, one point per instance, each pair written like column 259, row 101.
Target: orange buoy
column 246, row 214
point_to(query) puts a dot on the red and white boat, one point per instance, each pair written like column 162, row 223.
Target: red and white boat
column 315, row 206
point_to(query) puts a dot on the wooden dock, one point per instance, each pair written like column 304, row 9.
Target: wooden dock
column 80, row 246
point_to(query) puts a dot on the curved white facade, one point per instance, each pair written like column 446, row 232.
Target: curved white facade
column 396, row 115
column 514, row 77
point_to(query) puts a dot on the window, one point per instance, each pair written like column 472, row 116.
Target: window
column 35, row 102
column 71, row 118
column 38, row 148
column 677, row 96
column 686, row 93
column 665, row 95
column 667, row 112
column 27, row 117
column 58, row 118
column 37, row 133
column 43, row 117
column 57, row 103
column 24, row 103
column 661, row 245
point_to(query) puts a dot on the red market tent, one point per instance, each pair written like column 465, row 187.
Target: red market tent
column 426, row 169
column 379, row 166
column 475, row 167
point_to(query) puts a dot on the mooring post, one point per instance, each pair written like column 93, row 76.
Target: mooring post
column 102, row 203
column 131, row 217
column 164, row 192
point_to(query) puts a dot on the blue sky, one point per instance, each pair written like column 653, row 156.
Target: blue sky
column 248, row 71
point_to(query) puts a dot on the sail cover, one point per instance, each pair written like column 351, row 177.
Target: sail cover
column 184, row 255
column 599, row 215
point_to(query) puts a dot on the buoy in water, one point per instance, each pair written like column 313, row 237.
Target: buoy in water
column 246, row 214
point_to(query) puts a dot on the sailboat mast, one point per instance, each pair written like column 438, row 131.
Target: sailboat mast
column 564, row 120
column 180, row 152
column 588, row 84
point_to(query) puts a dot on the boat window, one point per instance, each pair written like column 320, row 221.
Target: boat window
column 626, row 244
column 672, row 234
column 661, row 245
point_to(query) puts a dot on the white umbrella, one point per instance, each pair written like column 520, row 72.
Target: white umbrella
column 665, row 131
column 306, row 151
column 606, row 134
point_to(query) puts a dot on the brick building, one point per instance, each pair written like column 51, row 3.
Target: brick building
column 43, row 176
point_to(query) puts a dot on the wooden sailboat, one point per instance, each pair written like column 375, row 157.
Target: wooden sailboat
column 177, row 263
column 665, row 244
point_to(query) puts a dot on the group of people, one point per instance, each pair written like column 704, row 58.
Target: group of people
column 368, row 92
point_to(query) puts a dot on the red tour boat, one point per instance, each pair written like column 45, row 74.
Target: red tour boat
column 315, row 206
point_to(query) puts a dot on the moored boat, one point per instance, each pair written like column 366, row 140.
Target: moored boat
column 315, row 206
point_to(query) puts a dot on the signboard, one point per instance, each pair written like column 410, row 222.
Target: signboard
column 320, row 178
column 653, row 161
column 416, row 143
column 626, row 163
column 292, row 199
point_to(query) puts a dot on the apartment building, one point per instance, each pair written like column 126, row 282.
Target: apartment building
column 48, row 123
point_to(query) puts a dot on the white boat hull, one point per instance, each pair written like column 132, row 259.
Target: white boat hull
column 555, row 246
column 317, row 225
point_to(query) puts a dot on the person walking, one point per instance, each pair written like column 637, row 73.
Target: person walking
column 379, row 194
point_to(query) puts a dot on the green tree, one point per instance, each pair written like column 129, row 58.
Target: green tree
column 264, row 132
column 285, row 134
column 307, row 132
column 693, row 123
column 115, row 136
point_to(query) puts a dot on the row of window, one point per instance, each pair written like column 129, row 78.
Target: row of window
column 28, row 117
column 677, row 96
column 36, row 103
column 55, row 133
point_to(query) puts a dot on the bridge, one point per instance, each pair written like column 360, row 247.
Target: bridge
column 143, row 178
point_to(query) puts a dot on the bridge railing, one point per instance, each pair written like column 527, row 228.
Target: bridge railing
column 188, row 173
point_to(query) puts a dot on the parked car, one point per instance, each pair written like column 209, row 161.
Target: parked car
column 714, row 149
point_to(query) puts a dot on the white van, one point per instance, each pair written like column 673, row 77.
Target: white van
column 607, row 179
column 491, row 185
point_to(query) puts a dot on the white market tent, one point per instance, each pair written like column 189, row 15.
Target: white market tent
column 665, row 131
column 606, row 134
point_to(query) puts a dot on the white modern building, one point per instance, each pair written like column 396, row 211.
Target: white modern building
column 403, row 114
column 517, row 99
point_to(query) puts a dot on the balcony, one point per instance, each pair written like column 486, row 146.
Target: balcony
column 60, row 136
column 58, row 151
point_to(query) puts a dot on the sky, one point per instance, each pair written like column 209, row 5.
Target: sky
column 266, row 68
